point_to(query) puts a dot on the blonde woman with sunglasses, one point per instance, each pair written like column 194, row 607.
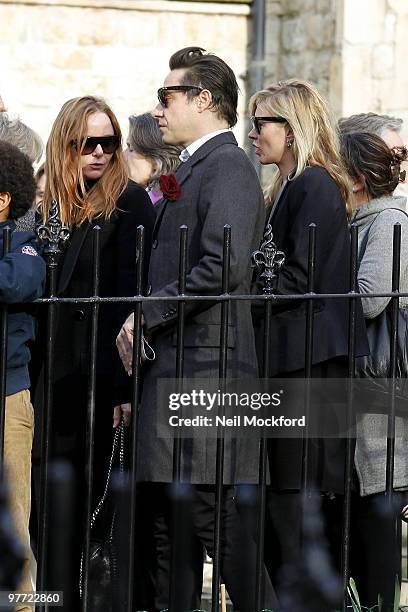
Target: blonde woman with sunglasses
column 293, row 130
column 87, row 175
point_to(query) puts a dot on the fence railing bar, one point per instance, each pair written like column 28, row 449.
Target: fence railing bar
column 61, row 575
column 180, row 501
column 350, row 443
column 396, row 254
column 46, row 425
column 220, row 453
column 311, row 264
column 3, row 355
column 263, row 456
column 90, row 422
column 136, row 386
column 218, row 298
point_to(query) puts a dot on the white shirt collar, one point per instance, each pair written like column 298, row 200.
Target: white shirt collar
column 194, row 146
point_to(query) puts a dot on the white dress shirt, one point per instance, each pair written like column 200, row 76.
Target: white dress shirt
column 194, row 146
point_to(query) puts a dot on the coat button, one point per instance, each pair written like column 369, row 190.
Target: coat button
column 79, row 315
column 154, row 244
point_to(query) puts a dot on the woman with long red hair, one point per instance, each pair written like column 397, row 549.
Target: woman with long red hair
column 87, row 175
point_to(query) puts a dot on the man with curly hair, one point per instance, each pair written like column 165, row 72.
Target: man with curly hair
column 22, row 277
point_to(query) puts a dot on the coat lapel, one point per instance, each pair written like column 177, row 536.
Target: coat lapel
column 71, row 256
column 184, row 169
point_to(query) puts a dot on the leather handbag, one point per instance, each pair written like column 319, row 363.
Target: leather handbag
column 102, row 574
column 377, row 365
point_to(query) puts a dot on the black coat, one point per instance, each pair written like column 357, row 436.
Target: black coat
column 72, row 334
column 313, row 197
column 218, row 186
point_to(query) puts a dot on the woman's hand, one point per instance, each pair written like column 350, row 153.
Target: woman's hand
column 119, row 411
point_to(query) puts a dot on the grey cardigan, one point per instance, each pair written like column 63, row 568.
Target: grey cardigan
column 374, row 276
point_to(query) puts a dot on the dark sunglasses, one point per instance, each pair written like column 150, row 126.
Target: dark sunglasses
column 109, row 144
column 256, row 121
column 162, row 93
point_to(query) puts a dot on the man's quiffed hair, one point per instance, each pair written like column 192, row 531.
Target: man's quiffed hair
column 17, row 179
column 209, row 72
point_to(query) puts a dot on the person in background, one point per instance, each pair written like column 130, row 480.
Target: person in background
column 214, row 186
column 375, row 551
column 293, row 129
column 29, row 142
column 148, row 157
column 386, row 127
column 87, row 175
column 40, row 182
column 21, row 136
column 22, row 279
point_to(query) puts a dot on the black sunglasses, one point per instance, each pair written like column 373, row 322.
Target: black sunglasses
column 162, row 93
column 256, row 121
column 109, row 144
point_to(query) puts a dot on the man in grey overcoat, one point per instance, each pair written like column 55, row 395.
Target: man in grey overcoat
column 215, row 185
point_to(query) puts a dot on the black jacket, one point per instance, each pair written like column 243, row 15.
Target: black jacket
column 313, row 197
column 22, row 277
column 73, row 327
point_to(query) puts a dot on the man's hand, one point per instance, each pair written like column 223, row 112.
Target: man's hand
column 119, row 411
column 124, row 343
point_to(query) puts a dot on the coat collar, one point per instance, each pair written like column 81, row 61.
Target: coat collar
column 184, row 169
column 71, row 256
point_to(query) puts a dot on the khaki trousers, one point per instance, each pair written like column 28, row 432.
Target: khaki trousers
column 18, row 440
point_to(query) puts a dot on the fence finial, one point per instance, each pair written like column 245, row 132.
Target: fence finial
column 268, row 261
column 53, row 234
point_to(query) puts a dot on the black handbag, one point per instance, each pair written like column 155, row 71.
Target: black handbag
column 102, row 574
column 377, row 365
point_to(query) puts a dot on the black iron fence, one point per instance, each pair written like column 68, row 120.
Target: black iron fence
column 55, row 516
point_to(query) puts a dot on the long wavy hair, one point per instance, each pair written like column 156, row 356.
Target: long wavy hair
column 316, row 140
column 65, row 180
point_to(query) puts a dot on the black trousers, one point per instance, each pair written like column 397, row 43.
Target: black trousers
column 375, row 547
column 185, row 518
column 283, row 530
column 284, row 546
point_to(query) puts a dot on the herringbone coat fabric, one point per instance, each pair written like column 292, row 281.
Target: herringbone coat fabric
column 219, row 186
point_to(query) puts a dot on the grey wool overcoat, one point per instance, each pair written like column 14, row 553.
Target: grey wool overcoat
column 219, row 186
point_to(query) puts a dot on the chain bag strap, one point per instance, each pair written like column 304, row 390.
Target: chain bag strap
column 118, row 446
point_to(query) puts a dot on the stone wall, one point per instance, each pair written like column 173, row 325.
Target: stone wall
column 52, row 50
column 354, row 51
column 374, row 58
column 301, row 40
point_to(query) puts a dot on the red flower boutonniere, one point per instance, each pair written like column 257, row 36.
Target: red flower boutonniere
column 169, row 187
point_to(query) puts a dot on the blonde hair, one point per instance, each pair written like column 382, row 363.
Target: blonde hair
column 65, row 180
column 316, row 141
